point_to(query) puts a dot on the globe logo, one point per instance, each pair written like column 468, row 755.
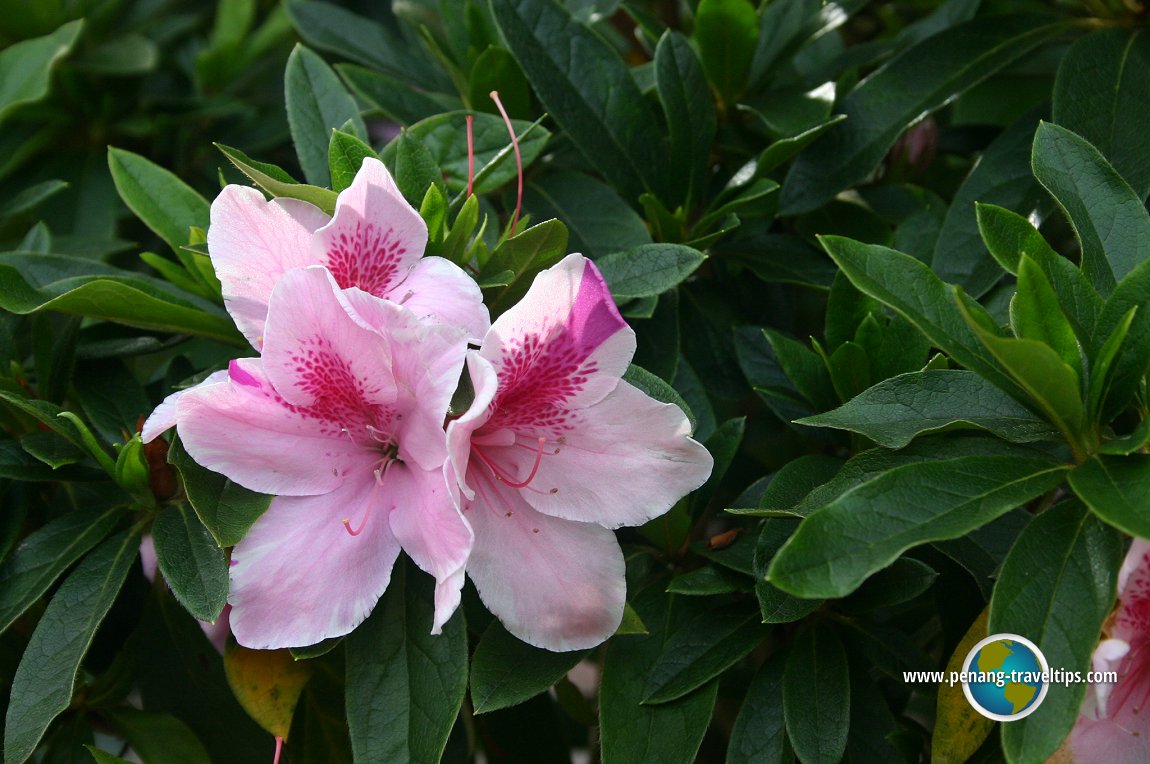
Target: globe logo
column 1005, row 677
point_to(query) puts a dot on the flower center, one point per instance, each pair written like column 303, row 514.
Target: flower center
column 389, row 455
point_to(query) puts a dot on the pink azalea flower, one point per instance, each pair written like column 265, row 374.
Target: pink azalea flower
column 554, row 452
column 342, row 419
column 374, row 243
column 1114, row 723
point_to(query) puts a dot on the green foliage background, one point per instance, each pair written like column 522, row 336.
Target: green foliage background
column 891, row 257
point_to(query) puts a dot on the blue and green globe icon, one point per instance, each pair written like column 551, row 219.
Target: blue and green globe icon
column 1005, row 677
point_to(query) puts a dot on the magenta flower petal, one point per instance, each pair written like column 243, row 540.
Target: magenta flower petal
column 298, row 577
column 253, row 242
column 638, row 449
column 242, row 428
column 432, row 531
column 563, row 346
column 553, row 583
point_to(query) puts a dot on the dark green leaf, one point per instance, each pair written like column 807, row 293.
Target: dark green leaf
column 414, row 168
column 598, row 219
column 225, row 508
column 194, row 566
column 778, row 258
column 904, row 580
column 648, row 270
column 703, row 649
column 506, row 671
column 38, row 561
column 1099, row 94
column 1109, row 218
column 1056, row 588
column 165, row 203
column 1117, row 489
column 727, row 32
column 52, row 448
column 1002, row 176
column 404, row 686
column 159, row 737
column 759, row 735
column 316, row 104
column 775, row 605
column 816, row 694
column 1035, row 314
column 870, row 525
column 898, row 409
column 523, row 256
column 495, row 70
column 28, row 65
column 46, row 676
column 707, row 581
column 102, row 757
column 346, row 153
column 690, row 112
column 588, row 91
column 919, row 80
column 398, row 100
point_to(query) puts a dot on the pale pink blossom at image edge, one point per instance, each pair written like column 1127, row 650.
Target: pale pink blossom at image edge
column 342, row 420
column 1114, row 722
column 554, row 452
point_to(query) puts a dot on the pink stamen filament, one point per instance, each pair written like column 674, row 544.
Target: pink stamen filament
column 279, row 749
column 518, row 157
column 380, row 474
column 470, row 153
column 505, row 479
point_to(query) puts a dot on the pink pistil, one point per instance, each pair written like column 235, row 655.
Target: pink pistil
column 279, row 749
column 470, row 153
column 518, row 157
column 504, row 478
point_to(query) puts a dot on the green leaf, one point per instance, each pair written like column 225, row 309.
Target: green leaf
column 1009, row 236
column 775, row 605
column 816, row 694
column 785, row 148
column 46, row 677
column 648, row 270
column 33, row 282
column 805, row 368
column 707, row 581
column 1099, row 94
column 778, row 258
column 396, row 99
column 1054, row 387
column 28, row 65
column 598, row 219
column 760, row 734
column 868, row 526
column 1099, row 399
column 669, row 733
column 34, row 565
column 506, row 671
column 690, row 112
column 588, row 91
column 445, row 138
column 225, row 508
column 1035, row 314
column 702, row 650
column 404, row 686
column 524, row 255
column 1109, row 218
column 495, row 70
column 918, row 81
column 165, row 203
column 346, row 153
column 414, row 168
column 797, row 478
column 158, row 736
column 102, row 757
column 784, row 27
column 727, row 32
column 316, row 104
column 194, row 566
column 1056, row 588
column 898, row 409
column 1117, row 489
column 914, row 292
column 277, row 182
column 904, row 580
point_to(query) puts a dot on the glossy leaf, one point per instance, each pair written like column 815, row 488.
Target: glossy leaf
column 690, row 111
column 816, row 694
column 1035, row 314
column 225, row 508
column 194, row 566
column 870, row 525
column 395, row 98
column 35, row 564
column 165, row 203
column 277, row 182
column 1098, row 95
column 1113, row 226
column 28, row 66
column 404, row 686
column 775, row 605
column 506, row 671
column 524, row 255
column 898, row 409
column 648, row 270
column 1056, row 587
column 919, row 80
column 346, row 153
column 588, row 91
column 598, row 219
column 316, row 104
column 1117, row 489
column 759, row 735
column 46, row 677
column 727, row 32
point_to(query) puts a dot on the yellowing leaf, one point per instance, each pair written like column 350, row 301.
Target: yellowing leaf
column 267, row 683
column 959, row 730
